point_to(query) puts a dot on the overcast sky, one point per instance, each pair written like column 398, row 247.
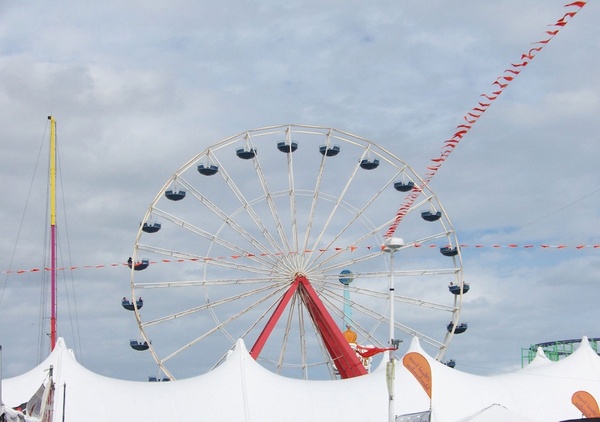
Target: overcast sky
column 138, row 88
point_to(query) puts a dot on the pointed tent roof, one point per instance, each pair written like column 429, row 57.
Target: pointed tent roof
column 241, row 389
column 238, row 389
column 539, row 359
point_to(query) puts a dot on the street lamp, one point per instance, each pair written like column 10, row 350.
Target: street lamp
column 391, row 245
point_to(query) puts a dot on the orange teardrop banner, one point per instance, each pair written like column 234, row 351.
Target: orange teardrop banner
column 586, row 403
column 418, row 366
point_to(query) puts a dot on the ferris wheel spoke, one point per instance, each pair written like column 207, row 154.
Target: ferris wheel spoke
column 315, row 196
column 334, row 210
column 286, row 333
column 321, row 265
column 413, row 208
column 398, row 299
column 266, row 256
column 425, row 198
column 344, row 264
column 205, row 283
column 340, row 265
column 424, row 303
column 230, row 222
column 302, row 335
column 418, row 243
column 212, row 304
column 208, row 261
column 292, row 188
column 222, row 324
column 362, row 210
column 272, row 207
column 171, row 253
column 423, row 337
column 401, row 273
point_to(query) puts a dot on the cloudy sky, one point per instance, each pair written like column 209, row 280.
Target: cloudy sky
column 138, row 88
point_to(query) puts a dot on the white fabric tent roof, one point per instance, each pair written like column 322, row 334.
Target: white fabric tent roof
column 495, row 413
column 241, row 390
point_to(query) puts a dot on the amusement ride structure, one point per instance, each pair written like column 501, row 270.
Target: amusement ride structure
column 555, row 350
column 278, row 235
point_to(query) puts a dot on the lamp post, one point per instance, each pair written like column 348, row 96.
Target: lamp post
column 391, row 245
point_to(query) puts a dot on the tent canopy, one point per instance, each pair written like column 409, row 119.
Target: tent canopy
column 241, row 389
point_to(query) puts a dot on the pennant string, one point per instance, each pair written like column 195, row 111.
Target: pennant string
column 350, row 249
column 473, row 115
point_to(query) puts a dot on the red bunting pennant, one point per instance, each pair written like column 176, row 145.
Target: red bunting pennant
column 475, row 113
column 351, row 248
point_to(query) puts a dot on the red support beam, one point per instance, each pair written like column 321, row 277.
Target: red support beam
column 266, row 332
column 346, row 361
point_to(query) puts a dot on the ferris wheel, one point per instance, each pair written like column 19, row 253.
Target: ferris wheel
column 274, row 236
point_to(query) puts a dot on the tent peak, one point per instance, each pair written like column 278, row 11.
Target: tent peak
column 415, row 345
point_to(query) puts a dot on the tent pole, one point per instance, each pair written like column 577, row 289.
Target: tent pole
column 391, row 370
column 64, row 401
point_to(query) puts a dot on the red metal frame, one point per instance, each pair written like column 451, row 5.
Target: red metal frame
column 346, row 361
column 266, row 332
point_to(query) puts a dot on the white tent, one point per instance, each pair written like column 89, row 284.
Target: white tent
column 495, row 413
column 241, row 390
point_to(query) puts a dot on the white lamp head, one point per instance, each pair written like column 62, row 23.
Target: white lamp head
column 392, row 244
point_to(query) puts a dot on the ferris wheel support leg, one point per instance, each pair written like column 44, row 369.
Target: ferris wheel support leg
column 345, row 359
column 266, row 332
